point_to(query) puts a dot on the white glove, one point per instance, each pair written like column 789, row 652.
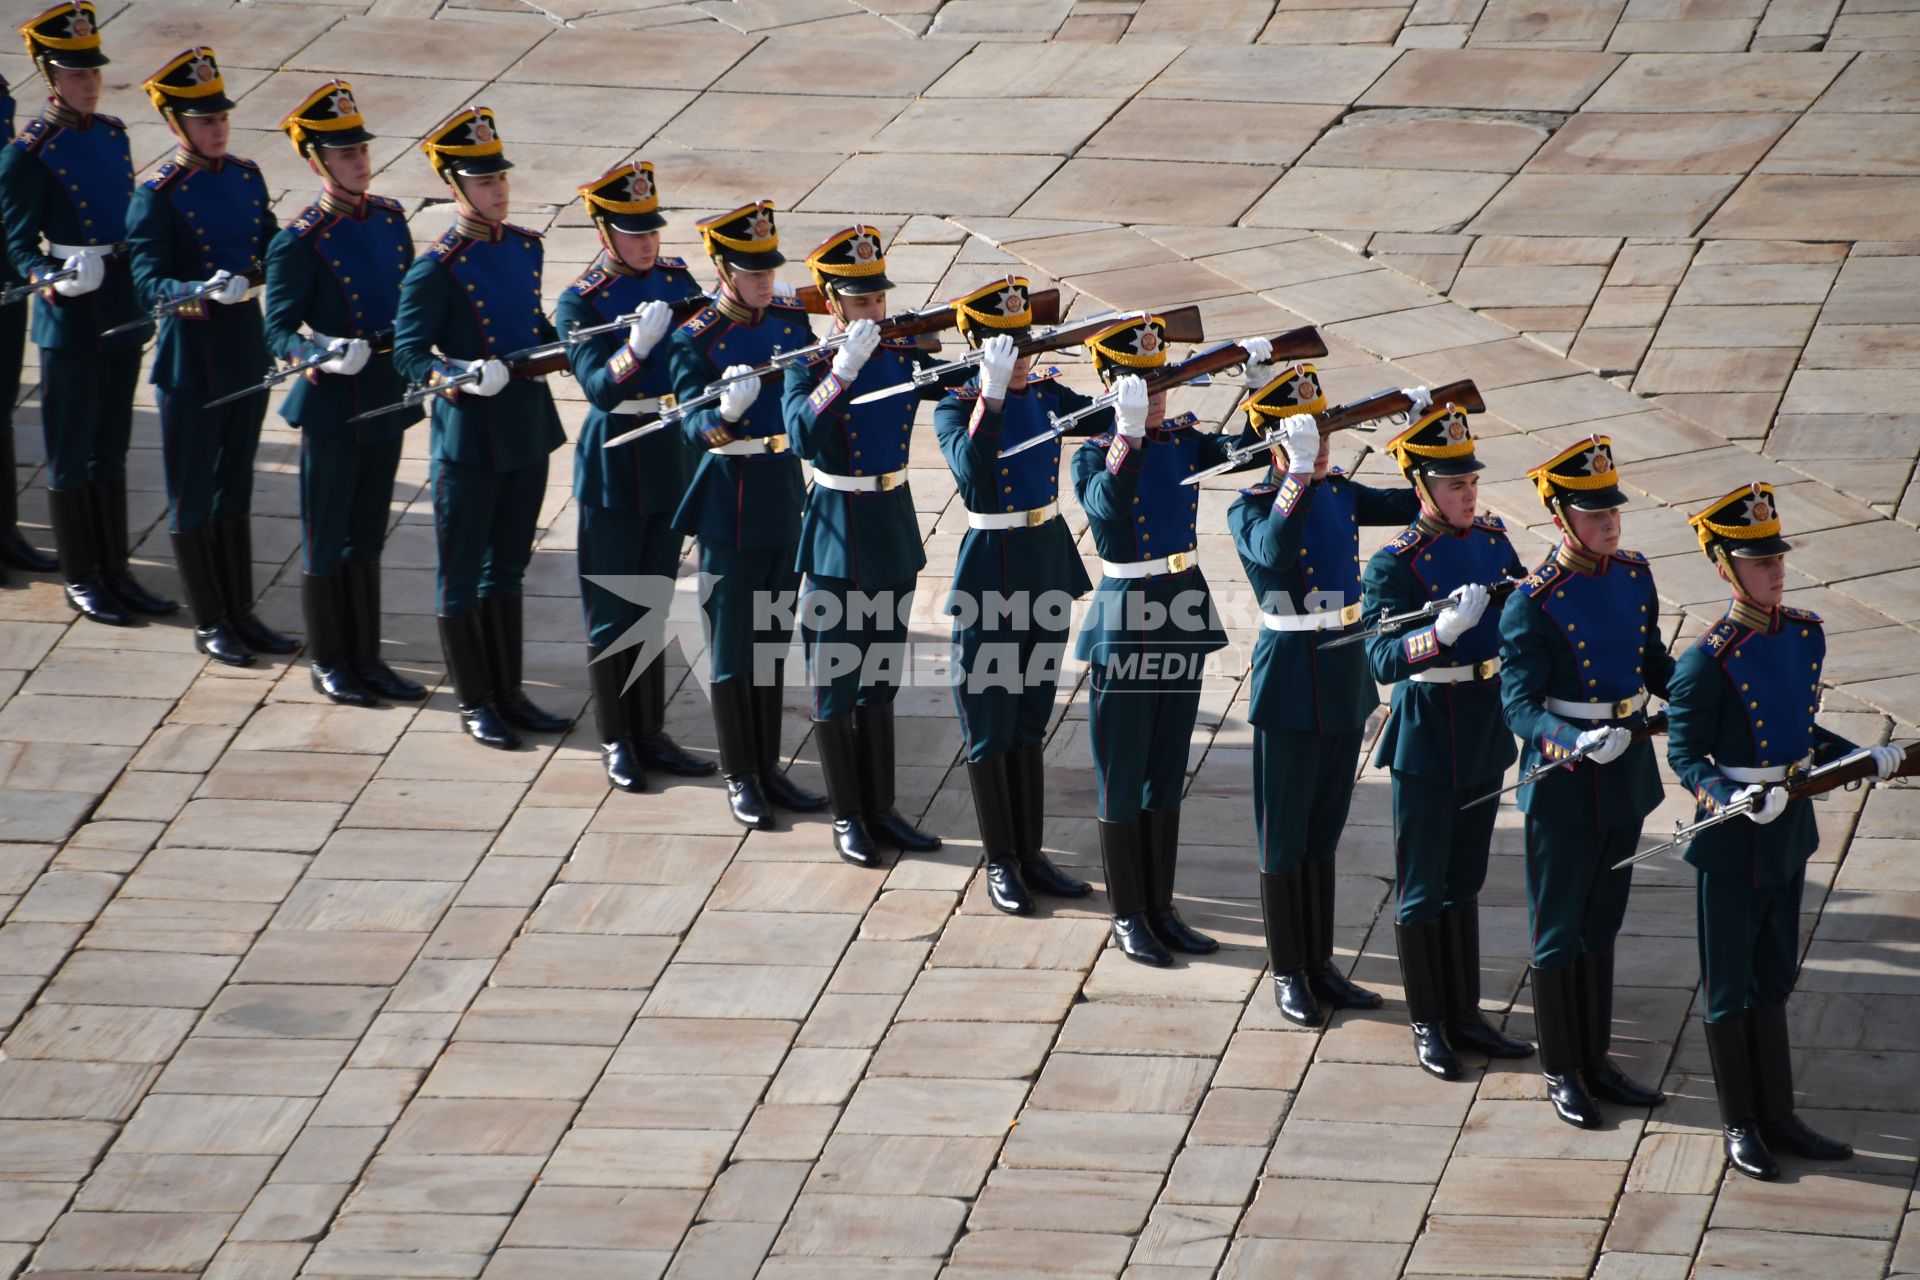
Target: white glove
column 1422, row 400
column 863, row 339
column 228, row 288
column 644, row 334
column 350, row 355
column 1463, row 615
column 1259, row 367
column 1769, row 802
column 1886, row 760
column 90, row 270
column 1300, row 439
column 1130, row 406
column 1604, row 746
column 493, row 377
column 738, row 397
column 784, row 292
column 997, row 358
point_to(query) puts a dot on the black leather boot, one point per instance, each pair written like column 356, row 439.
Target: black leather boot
column 110, row 518
column 839, row 761
column 734, row 728
column 1125, row 865
column 503, row 623
column 363, row 595
column 1160, row 841
column 213, row 633
column 323, row 601
column 781, row 791
column 607, row 674
column 1604, row 1079
column 1027, row 790
column 466, row 652
column 1283, row 914
column 646, row 703
column 873, row 734
column 1423, row 962
column 1329, row 984
column 1556, row 1012
column 1467, row 1026
column 1783, row 1130
column 15, row 551
column 75, row 534
column 1730, row 1049
column 233, row 545
column 993, row 811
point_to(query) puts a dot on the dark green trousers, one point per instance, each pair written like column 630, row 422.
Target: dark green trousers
column 1439, row 846
column 856, row 643
column 749, row 610
column 1749, row 942
column 483, row 522
column 1141, row 729
column 1004, row 679
column 1574, row 898
column 86, row 411
column 346, row 499
column 1302, row 788
column 637, row 555
column 209, row 456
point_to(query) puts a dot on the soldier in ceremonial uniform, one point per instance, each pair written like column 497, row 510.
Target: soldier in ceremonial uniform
column 198, row 229
column 743, row 505
column 1741, row 719
column 15, row 550
column 1299, row 541
column 1580, row 650
column 65, row 184
column 1015, row 574
column 1148, row 630
column 627, row 495
column 336, row 269
column 1445, row 742
column 859, row 544
column 473, row 297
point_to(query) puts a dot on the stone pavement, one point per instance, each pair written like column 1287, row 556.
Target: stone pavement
column 300, row 990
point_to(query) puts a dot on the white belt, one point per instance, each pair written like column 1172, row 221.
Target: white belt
column 1329, row 620
column 1764, row 773
column 641, row 404
column 64, row 251
column 1012, row 519
column 1178, row 562
column 861, row 484
column 753, row 445
column 1458, row 675
column 1597, row 710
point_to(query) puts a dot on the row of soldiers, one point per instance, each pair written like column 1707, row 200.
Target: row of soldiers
column 1566, row 665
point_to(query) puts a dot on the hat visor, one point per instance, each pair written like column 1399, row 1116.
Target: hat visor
column 752, row 261
column 352, row 137
column 211, row 105
column 75, row 59
column 877, row 283
column 1756, row 548
column 1595, row 499
column 1444, row 468
column 478, row 166
column 634, row 224
column 977, row 334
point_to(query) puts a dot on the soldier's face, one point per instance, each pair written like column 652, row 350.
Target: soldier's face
column 1156, row 408
column 349, row 169
column 1455, row 499
column 78, row 87
column 206, row 134
column 751, row 289
column 1598, row 531
column 1762, row 580
column 862, row 306
column 1323, row 460
column 487, row 194
column 636, row 249
column 1022, row 367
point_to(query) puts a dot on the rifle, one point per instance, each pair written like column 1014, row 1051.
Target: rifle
column 169, row 306
column 1182, row 324
column 1653, row 724
column 1855, row 766
column 1295, row 344
column 20, row 291
column 1496, row 592
column 381, row 342
column 1042, row 304
column 1386, row 404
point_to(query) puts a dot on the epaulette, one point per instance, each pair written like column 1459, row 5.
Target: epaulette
column 33, row 136
column 899, row 344
column 244, row 163
column 528, row 232
column 1101, row 441
column 1718, row 637
column 701, row 321
column 1180, row 423
column 590, row 279
column 1630, row 557
column 816, row 359
column 971, row 391
column 787, row 304
column 386, row 202
column 1492, row 524
column 1263, row 490
column 166, row 173
column 671, row 264
column 1406, row 540
column 446, row 246
column 1540, row 579
column 1336, row 473
column 1799, row 615
column 115, row 121
column 1047, row 374
column 310, row 219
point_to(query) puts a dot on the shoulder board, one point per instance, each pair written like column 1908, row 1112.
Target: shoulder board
column 816, row 359
column 783, row 304
column 33, row 136
column 1799, row 615
column 971, row 391
column 113, row 121
column 1630, row 557
column 310, row 218
column 671, row 264
column 1103, row 441
column 1047, row 374
column 1261, row 490
column 1336, row 473
column 1181, row 422
column 166, row 173
column 590, row 279
column 1540, row 579
column 1718, row 636
column 386, row 202
column 1493, row 524
column 701, row 321
column 528, row 232
column 446, row 246
column 243, row 162
column 899, row 344
column 1406, row 540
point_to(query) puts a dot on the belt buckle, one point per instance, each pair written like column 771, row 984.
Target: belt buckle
column 777, row 443
column 1486, row 668
column 1350, row 614
column 1623, row 708
column 1179, row 561
column 886, row 482
column 1036, row 517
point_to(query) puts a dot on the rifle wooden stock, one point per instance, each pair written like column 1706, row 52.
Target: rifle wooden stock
column 1043, row 303
column 538, row 366
column 1832, row 778
column 1183, row 325
column 1295, row 344
column 1463, row 393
